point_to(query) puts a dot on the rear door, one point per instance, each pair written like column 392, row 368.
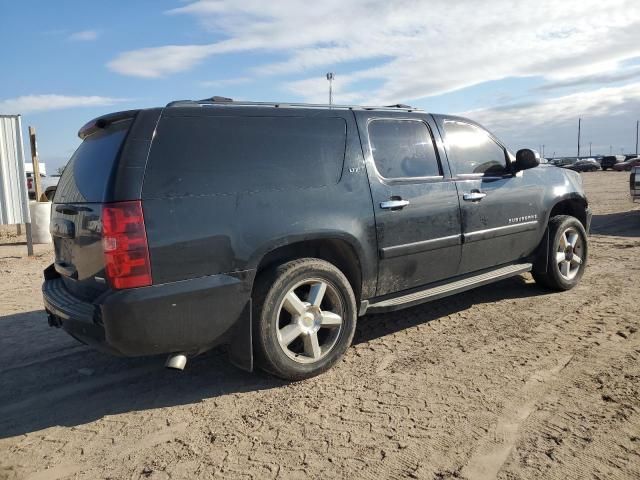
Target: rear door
column 76, row 224
column 501, row 211
column 415, row 201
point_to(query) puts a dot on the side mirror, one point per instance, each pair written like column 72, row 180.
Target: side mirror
column 526, row 159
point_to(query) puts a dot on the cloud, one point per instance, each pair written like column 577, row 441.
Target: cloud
column 606, row 77
column 409, row 49
column 609, row 116
column 84, row 36
column 41, row 103
column 160, row 61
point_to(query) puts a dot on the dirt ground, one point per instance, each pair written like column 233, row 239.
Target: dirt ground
column 507, row 381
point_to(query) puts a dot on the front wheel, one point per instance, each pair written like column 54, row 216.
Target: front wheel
column 567, row 256
column 304, row 318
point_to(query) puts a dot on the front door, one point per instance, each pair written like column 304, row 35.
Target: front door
column 415, row 201
column 501, row 211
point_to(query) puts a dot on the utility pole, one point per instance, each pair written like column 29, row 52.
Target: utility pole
column 637, row 128
column 589, row 148
column 543, row 150
column 330, row 77
column 579, row 127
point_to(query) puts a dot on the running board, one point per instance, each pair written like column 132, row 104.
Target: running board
column 452, row 288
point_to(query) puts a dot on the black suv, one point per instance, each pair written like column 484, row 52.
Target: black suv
column 272, row 227
column 611, row 160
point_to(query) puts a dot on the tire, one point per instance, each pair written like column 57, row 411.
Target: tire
column 567, row 238
column 295, row 337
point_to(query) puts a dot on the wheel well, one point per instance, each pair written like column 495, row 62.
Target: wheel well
column 335, row 251
column 575, row 207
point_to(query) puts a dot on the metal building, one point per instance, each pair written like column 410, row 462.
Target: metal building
column 14, row 199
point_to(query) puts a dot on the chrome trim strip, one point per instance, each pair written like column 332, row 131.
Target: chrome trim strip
column 451, row 288
column 422, row 246
column 500, row 231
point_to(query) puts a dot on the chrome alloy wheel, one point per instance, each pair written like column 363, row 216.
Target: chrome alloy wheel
column 570, row 253
column 308, row 329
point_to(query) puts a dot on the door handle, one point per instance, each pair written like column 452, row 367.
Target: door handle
column 474, row 196
column 395, row 204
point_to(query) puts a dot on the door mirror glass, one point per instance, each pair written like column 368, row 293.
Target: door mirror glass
column 527, row 158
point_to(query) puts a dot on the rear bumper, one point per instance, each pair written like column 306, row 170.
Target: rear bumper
column 187, row 316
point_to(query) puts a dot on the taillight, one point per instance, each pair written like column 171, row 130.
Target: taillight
column 124, row 241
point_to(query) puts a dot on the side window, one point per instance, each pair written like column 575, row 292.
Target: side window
column 403, row 148
column 473, row 151
column 203, row 155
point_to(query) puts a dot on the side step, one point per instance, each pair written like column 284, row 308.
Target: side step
column 445, row 290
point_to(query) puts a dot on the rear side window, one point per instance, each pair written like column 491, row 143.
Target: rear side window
column 86, row 177
column 472, row 151
column 403, row 149
column 209, row 155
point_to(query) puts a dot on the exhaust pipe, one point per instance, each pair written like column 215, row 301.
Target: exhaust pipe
column 176, row 361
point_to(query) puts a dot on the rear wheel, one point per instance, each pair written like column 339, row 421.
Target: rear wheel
column 304, row 318
column 567, row 256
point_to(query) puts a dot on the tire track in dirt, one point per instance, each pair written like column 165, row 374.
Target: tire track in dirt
column 489, row 456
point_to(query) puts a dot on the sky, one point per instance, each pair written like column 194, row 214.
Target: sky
column 526, row 70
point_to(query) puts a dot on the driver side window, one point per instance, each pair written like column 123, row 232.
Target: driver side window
column 472, row 151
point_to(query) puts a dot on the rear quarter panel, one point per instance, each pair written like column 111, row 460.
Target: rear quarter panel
column 197, row 235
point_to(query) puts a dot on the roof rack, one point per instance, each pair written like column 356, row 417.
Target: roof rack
column 218, row 100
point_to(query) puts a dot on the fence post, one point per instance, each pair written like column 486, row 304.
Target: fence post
column 34, row 162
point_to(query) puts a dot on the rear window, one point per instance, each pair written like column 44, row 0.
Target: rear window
column 87, row 174
column 210, row 155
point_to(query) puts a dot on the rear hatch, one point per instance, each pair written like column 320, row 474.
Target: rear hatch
column 76, row 216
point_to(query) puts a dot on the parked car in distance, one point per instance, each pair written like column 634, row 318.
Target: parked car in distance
column 634, row 184
column 584, row 165
column 610, row 160
column 48, row 183
column 273, row 227
column 627, row 165
column 562, row 161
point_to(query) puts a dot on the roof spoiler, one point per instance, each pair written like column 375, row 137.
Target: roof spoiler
column 104, row 121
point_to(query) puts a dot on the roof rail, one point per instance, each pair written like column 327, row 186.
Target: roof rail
column 400, row 105
column 218, row 100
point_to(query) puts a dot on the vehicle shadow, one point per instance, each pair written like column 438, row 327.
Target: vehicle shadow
column 379, row 325
column 621, row 224
column 49, row 379
column 57, row 381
